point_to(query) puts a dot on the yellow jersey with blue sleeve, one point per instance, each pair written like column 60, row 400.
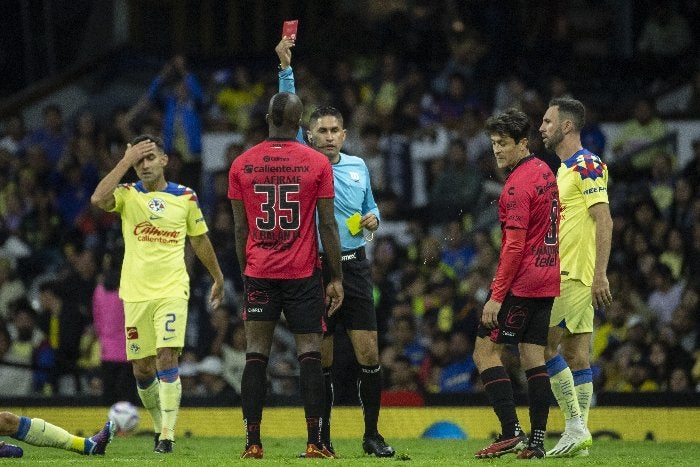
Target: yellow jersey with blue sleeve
column 583, row 182
column 155, row 225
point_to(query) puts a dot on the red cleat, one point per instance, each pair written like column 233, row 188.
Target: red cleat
column 502, row 446
column 253, row 451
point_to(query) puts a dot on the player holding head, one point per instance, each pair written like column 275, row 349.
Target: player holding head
column 585, row 238
column 355, row 210
column 38, row 432
column 276, row 188
column 157, row 217
column 526, row 282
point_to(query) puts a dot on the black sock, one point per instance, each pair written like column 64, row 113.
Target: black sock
column 312, row 393
column 500, row 392
column 254, row 378
column 328, row 406
column 370, row 389
column 538, row 391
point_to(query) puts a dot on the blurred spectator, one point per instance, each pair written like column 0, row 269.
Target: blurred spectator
column 592, row 137
column 456, row 191
column 11, row 287
column 457, row 252
column 404, row 342
column 15, row 131
column 665, row 295
column 29, row 350
column 460, row 373
column 637, row 132
column 211, row 371
column 428, row 145
column 182, row 122
column 238, row 96
column 665, row 38
column 15, row 368
column 63, row 323
column 108, row 322
column 233, row 356
column 402, row 376
column 51, row 136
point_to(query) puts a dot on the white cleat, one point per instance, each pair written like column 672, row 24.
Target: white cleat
column 582, row 453
column 570, row 443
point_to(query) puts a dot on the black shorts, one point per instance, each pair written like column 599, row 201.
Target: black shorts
column 521, row 320
column 301, row 300
column 357, row 311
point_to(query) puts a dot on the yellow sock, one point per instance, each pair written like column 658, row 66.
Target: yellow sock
column 44, row 434
column 170, row 394
column 150, row 397
column 584, row 394
column 563, row 389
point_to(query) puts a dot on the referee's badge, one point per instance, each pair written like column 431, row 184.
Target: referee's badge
column 354, row 176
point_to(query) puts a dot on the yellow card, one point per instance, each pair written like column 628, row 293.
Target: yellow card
column 353, row 223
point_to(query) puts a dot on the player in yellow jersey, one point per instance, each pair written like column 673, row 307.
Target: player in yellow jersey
column 585, row 235
column 38, row 432
column 157, row 217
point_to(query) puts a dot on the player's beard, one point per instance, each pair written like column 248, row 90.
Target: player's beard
column 554, row 140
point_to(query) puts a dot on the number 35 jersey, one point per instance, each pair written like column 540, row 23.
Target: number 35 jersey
column 530, row 201
column 279, row 183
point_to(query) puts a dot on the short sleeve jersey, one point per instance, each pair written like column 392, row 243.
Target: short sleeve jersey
column 530, row 201
column 155, row 225
column 353, row 194
column 279, row 183
column 583, row 182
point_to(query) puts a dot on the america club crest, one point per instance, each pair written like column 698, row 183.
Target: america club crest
column 156, row 206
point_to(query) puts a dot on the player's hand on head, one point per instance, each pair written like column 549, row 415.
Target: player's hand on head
column 134, row 153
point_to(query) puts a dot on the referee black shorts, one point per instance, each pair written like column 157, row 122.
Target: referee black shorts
column 357, row 311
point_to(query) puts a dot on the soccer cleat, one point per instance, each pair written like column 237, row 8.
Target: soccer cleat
column 156, row 438
column 102, row 439
column 503, row 446
column 10, row 450
column 165, row 446
column 582, row 453
column 329, row 448
column 532, row 452
column 376, row 445
column 253, row 451
column 314, row 451
column 570, row 443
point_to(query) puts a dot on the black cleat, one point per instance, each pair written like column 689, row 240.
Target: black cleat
column 165, row 446
column 156, row 438
column 376, row 445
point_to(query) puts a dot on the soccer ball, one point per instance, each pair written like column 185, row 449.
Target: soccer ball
column 125, row 416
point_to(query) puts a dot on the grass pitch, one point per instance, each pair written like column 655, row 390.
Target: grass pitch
column 200, row 451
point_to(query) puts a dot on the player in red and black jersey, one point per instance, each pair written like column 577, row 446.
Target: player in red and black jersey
column 276, row 188
column 527, row 280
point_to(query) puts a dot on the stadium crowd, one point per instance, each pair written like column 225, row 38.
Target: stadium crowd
column 433, row 257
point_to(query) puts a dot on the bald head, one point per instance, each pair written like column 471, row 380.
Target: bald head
column 284, row 114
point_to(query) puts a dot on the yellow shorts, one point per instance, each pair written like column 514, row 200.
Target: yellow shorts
column 153, row 324
column 573, row 307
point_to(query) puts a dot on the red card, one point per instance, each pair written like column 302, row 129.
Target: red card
column 289, row 29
